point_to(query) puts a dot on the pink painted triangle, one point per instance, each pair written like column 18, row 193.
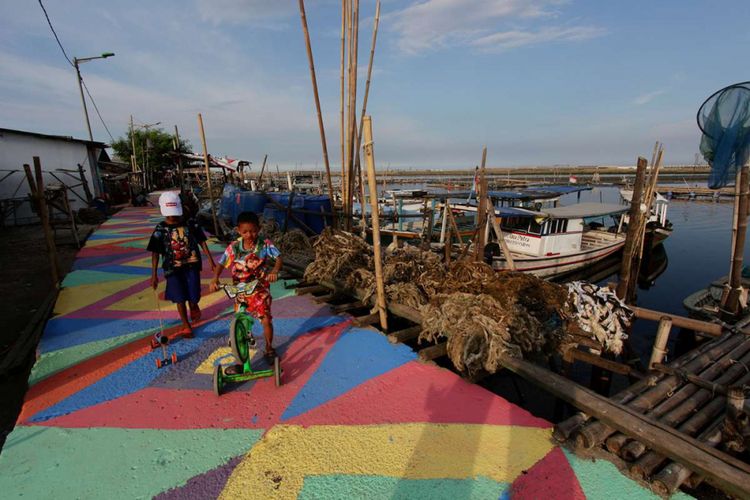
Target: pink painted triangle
column 418, row 393
column 551, row 477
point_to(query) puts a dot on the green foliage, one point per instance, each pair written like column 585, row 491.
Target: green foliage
column 153, row 145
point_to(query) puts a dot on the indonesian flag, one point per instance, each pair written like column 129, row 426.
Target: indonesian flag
column 573, row 179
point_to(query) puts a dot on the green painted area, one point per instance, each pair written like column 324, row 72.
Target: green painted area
column 143, row 243
column 38, row 462
column 279, row 291
column 55, row 361
column 601, row 479
column 88, row 277
column 351, row 486
column 217, row 246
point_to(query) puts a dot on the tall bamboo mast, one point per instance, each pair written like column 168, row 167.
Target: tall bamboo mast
column 357, row 165
column 343, row 120
column 303, row 17
column 354, row 46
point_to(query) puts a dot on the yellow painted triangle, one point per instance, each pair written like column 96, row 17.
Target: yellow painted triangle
column 144, row 300
column 409, row 451
column 77, row 297
column 207, row 366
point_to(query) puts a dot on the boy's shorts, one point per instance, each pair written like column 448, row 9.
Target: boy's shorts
column 184, row 285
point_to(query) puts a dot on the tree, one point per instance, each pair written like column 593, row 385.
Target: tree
column 154, row 150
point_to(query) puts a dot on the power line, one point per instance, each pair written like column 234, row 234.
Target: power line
column 55, row 33
column 59, row 43
column 97, row 110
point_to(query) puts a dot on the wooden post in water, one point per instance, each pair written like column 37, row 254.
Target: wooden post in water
column 371, row 182
column 317, row 102
column 208, row 176
column 732, row 303
column 482, row 209
column 262, row 168
column 626, row 286
column 37, row 192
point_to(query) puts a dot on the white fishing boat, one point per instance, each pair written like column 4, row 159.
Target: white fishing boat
column 558, row 241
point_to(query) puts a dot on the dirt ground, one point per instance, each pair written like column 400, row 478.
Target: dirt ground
column 25, row 282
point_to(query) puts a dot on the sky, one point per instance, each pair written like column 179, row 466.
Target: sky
column 539, row 82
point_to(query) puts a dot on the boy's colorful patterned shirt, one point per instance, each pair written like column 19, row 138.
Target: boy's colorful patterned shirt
column 248, row 265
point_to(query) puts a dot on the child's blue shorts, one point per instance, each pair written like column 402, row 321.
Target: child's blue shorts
column 184, row 284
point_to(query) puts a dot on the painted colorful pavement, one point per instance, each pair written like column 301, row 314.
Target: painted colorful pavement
column 355, row 417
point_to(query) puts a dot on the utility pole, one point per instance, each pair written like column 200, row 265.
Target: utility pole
column 76, row 62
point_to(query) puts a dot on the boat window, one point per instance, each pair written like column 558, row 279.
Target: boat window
column 535, row 227
column 558, row 226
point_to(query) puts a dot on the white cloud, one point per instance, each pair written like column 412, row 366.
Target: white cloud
column 648, row 97
column 489, row 25
column 506, row 40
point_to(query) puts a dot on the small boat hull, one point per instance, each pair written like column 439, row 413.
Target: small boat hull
column 558, row 265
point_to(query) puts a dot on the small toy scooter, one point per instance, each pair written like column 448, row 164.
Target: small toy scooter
column 241, row 340
column 162, row 341
column 166, row 359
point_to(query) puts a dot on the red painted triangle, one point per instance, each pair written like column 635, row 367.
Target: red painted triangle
column 418, row 393
column 551, row 477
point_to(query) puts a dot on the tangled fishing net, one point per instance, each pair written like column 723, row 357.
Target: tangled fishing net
column 337, row 255
column 293, row 244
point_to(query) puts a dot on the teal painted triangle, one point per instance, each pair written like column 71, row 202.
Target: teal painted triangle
column 345, row 487
column 142, row 243
column 88, row 277
column 52, row 362
column 358, row 356
column 112, row 463
column 279, row 290
column 601, row 479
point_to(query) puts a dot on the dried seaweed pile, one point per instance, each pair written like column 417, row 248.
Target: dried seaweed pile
column 293, row 244
column 482, row 314
column 337, row 255
column 511, row 314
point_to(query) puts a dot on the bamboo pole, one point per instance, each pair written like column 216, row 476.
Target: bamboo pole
column 625, row 286
column 357, row 164
column 660, row 343
column 37, row 190
column 208, row 175
column 317, row 101
column 732, row 304
column 372, row 183
column 482, row 208
column 649, row 203
column 712, row 329
column 344, row 18
column 132, row 140
column 352, row 131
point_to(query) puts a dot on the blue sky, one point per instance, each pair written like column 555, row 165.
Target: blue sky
column 540, row 82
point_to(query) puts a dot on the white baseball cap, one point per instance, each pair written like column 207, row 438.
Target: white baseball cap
column 170, row 204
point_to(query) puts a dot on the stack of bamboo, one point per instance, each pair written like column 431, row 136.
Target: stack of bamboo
column 689, row 396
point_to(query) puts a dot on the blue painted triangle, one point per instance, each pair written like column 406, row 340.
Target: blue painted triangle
column 358, row 356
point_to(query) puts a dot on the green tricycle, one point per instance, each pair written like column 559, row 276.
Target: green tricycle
column 241, row 340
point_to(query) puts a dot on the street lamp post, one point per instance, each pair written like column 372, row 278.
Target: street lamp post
column 76, row 62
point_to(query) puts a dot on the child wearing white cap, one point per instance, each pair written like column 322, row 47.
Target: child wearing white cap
column 179, row 242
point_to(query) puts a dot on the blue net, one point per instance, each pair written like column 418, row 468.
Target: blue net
column 724, row 120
